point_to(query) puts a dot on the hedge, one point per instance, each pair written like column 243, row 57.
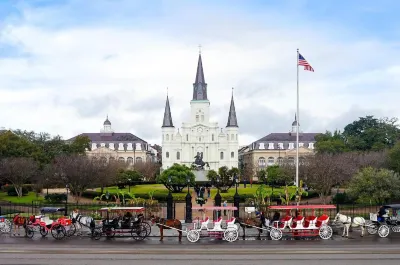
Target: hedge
column 11, row 191
column 56, row 197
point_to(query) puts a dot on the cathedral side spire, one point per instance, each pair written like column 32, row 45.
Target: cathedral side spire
column 200, row 85
column 167, row 122
column 232, row 120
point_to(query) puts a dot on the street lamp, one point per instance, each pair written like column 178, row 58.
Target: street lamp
column 66, row 201
column 236, row 181
column 129, row 185
column 218, row 178
column 236, row 197
column 47, row 185
column 188, row 182
column 169, row 183
column 107, row 196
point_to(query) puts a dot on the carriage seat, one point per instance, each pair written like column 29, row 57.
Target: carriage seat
column 207, row 220
column 310, row 221
column 231, row 221
column 46, row 220
column 219, row 221
column 217, row 224
column 298, row 222
column 322, row 220
column 284, row 222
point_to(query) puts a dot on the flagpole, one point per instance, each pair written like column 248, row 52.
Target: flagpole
column 297, row 123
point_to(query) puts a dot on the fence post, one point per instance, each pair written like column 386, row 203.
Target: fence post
column 217, row 200
column 188, row 212
column 236, row 203
column 169, row 205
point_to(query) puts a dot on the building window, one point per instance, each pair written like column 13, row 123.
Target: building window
column 236, row 137
column 172, row 137
column 139, row 160
column 212, row 137
column 291, row 160
column 302, row 160
column 270, row 145
column 280, row 160
column 187, row 137
column 178, row 155
column 232, row 137
column 167, row 154
column 197, row 118
column 261, row 146
column 221, row 155
column 167, row 137
column 261, row 162
column 291, row 145
column 199, row 139
column 311, row 145
column 271, row 161
column 202, row 117
column 227, row 137
column 280, row 146
column 129, row 160
column 232, row 154
column 121, row 160
column 301, row 145
column 103, row 160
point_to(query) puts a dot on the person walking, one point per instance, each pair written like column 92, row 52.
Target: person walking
column 225, row 205
column 208, row 192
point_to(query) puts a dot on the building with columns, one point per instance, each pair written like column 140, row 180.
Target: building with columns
column 124, row 147
column 275, row 147
column 217, row 146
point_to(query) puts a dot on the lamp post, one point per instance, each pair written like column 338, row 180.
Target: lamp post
column 218, row 198
column 47, row 186
column 236, row 197
column 188, row 215
column 129, row 185
column 107, row 196
column 337, row 197
column 169, row 200
column 66, row 201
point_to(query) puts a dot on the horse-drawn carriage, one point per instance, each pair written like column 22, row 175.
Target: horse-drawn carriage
column 5, row 225
column 123, row 222
column 389, row 220
column 220, row 229
column 59, row 228
column 300, row 224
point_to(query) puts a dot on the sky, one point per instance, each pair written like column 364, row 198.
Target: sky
column 67, row 64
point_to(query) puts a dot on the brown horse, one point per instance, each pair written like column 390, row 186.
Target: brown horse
column 19, row 221
column 250, row 223
column 163, row 223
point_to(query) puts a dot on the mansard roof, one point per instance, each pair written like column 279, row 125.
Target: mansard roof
column 111, row 137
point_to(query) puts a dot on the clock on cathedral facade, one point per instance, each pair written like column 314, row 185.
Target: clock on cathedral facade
column 200, row 138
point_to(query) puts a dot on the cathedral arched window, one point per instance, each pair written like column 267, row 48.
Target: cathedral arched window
column 232, row 137
column 221, row 155
column 261, row 162
column 236, row 137
column 167, row 137
column 212, row 137
column 129, row 160
column 232, row 154
column 227, row 137
column 202, row 117
column 197, row 118
column 178, row 155
column 172, row 137
column 167, row 154
column 187, row 137
column 139, row 160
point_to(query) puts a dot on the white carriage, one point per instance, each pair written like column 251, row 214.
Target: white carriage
column 301, row 225
column 5, row 225
column 220, row 228
column 388, row 222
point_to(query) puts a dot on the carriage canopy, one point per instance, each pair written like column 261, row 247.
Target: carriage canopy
column 300, row 207
column 127, row 209
column 51, row 210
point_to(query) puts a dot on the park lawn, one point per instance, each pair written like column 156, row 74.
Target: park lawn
column 24, row 199
column 160, row 190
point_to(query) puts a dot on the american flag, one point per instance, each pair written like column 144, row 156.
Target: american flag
column 303, row 62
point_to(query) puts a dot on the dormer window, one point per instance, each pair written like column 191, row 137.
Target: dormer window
column 261, row 146
column 271, row 146
column 311, row 145
column 280, row 145
column 291, row 145
column 301, row 145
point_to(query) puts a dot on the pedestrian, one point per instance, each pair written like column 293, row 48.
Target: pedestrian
column 225, row 205
column 208, row 192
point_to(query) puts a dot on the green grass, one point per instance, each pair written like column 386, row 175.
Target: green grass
column 160, row 190
column 24, row 199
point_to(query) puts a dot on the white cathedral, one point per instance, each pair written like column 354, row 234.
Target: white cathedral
column 217, row 147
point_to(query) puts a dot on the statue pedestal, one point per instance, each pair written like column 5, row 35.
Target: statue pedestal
column 201, row 175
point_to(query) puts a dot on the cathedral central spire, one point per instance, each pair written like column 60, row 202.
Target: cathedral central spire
column 167, row 122
column 200, row 85
column 232, row 120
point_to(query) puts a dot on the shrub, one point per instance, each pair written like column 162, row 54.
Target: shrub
column 56, row 197
column 342, row 198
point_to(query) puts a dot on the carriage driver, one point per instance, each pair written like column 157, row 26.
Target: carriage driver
column 382, row 214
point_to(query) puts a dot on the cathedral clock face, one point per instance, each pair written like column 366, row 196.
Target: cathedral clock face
column 199, row 130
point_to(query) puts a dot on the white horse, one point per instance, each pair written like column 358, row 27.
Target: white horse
column 80, row 220
column 346, row 221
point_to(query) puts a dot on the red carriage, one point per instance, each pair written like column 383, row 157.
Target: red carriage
column 304, row 223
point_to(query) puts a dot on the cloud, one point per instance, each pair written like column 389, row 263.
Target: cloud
column 64, row 65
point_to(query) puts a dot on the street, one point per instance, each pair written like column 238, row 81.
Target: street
column 76, row 251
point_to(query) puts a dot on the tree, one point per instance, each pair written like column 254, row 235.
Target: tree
column 18, row 171
column 226, row 177
column 12, row 145
column 372, row 185
column 178, row 174
column 330, row 143
column 278, row 176
column 394, row 158
column 371, row 134
column 129, row 176
column 77, row 171
column 149, row 170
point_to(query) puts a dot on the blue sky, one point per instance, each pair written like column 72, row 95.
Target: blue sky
column 85, row 59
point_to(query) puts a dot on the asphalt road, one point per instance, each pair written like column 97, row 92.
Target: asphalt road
column 75, row 251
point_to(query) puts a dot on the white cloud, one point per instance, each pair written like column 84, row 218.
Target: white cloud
column 76, row 75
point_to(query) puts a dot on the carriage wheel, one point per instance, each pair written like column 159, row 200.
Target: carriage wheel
column 372, row 228
column 7, row 228
column 147, row 226
column 43, row 231
column 325, row 232
column 139, row 232
column 275, row 233
column 29, row 232
column 58, row 232
column 231, row 234
column 193, row 236
column 110, row 232
column 71, row 230
column 96, row 235
column 383, row 231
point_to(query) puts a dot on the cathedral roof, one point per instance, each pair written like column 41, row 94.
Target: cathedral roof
column 200, row 86
column 167, row 121
column 232, row 120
